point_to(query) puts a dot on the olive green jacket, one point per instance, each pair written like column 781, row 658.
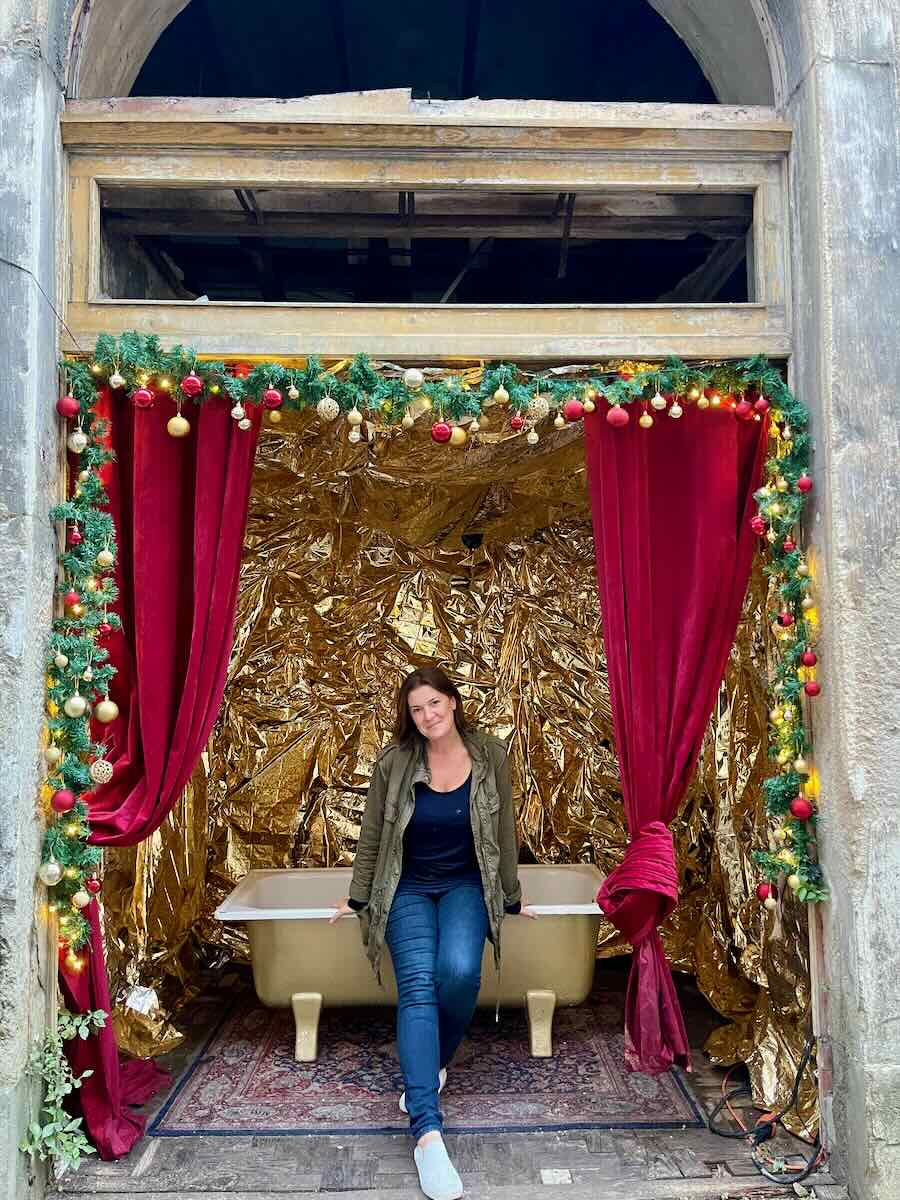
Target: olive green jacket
column 389, row 807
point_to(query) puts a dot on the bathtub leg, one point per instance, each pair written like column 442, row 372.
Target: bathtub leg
column 540, row 1007
column 307, row 1006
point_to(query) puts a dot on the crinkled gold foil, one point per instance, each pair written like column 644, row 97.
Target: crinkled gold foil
column 353, row 573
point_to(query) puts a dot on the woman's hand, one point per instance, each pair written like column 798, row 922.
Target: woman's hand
column 528, row 912
column 342, row 909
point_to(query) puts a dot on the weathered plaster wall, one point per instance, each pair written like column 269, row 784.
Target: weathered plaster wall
column 31, row 71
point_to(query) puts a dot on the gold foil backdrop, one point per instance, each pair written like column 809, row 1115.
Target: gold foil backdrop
column 354, row 572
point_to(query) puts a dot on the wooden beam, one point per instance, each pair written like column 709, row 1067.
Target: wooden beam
column 703, row 284
column 584, row 333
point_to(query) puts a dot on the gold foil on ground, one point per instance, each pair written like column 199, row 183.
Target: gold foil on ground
column 353, row 573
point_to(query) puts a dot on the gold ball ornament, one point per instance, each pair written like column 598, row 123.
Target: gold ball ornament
column 501, row 396
column 801, row 766
column 715, row 400
column 458, row 436
column 274, row 417
column 105, row 559
column 794, row 882
column 73, row 961
column 784, row 756
column 658, row 402
column 589, row 405
column 75, row 706
column 703, row 402
column 91, row 584
column 413, row 378
column 802, row 570
column 559, row 421
column 775, row 715
column 178, row 426
column 408, row 421
column 107, row 710
column 675, row 411
column 770, row 903
column 781, row 484
column 782, row 834
column 645, row 420
column 81, row 899
column 84, row 476
column 71, row 872
column 53, row 756
column 354, row 416
column 807, row 603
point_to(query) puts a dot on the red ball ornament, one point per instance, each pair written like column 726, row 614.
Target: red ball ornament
column 68, row 407
column 617, row 416
column 93, row 885
column 788, row 545
column 517, row 422
column 191, row 385
column 761, row 405
column 801, row 808
column 573, row 410
column 809, row 658
column 441, row 432
column 142, row 397
column 763, row 891
column 63, row 801
column 241, row 370
column 811, row 688
column 104, row 628
column 804, row 484
column 786, row 618
column 744, row 410
column 758, row 525
column 71, row 597
column 272, row 398
column 75, row 538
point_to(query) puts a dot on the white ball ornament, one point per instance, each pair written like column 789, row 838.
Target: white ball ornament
column 293, row 393
column 354, row 435
column 770, row 903
column 658, row 402
column 100, row 770
column 408, row 421
column 105, row 559
column 354, row 416
column 328, row 408
column 794, row 882
column 50, row 872
column 116, row 380
column 238, row 412
column 75, row 706
column 413, row 378
column 531, row 437
column 88, row 675
column 61, row 660
column 245, row 423
column 538, row 408
column 107, row 710
column 474, row 425
column 675, row 411
column 77, row 441
column 81, row 899
column 501, row 396
column 53, row 756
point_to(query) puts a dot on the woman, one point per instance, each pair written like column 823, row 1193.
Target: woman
column 435, row 873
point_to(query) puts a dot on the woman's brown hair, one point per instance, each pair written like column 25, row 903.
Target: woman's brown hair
column 405, row 731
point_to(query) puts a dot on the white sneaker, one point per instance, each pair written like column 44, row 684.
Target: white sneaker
column 442, row 1079
column 437, row 1175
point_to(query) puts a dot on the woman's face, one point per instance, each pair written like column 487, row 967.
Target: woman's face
column 431, row 711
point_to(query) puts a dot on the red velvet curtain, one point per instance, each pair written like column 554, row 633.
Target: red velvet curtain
column 670, row 509
column 180, row 508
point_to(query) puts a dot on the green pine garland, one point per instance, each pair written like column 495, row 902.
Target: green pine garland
column 388, row 395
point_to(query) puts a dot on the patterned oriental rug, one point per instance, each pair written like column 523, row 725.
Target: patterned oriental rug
column 245, row 1079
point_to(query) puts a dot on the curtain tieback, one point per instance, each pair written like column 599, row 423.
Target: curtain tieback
column 640, row 893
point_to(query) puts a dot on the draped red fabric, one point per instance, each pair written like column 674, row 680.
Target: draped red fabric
column 670, row 508
column 180, row 508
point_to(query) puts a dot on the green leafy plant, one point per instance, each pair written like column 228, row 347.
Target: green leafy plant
column 58, row 1135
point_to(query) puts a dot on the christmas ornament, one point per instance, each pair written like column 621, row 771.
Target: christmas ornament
column 801, row 766
column 804, row 483
column 589, row 405
column 62, row 801
column 441, row 432
column 191, row 385
column 76, row 611
column 517, row 422
column 763, row 890
column 61, row 660
column 50, row 872
column 802, row 570
column 71, row 597
column 293, row 393
column 142, row 397
column 538, row 408
column 474, row 426
column 328, row 408
column 715, row 399
column 408, row 421
column 743, row 410
column 178, row 426
column 107, row 710
column 785, row 618
column 238, row 412
column 758, row 525
column 68, row 407
column 809, row 658
column 75, row 538
column 811, row 688
column 617, row 416
column 354, row 416
column 559, row 421
column 93, row 885
column 81, row 899
column 794, row 882
column 354, row 435
column 788, row 545
column 88, row 675
column 100, row 771
column 245, row 423
column 272, row 398
column 531, row 437
column 807, row 603
column 658, row 402
column 781, row 484
column 573, row 410
column 105, row 559
column 104, row 628
column 702, row 402
column 77, row 441
column 413, row 378
column 73, row 961
column 458, row 436
column 645, row 420
column 501, row 396
column 770, row 903
column 83, row 476
column 274, row 417
column 761, row 405
column 116, row 381
column 801, row 808
column 53, row 755
column 676, row 410
column 91, row 584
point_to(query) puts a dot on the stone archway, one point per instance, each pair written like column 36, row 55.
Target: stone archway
column 731, row 39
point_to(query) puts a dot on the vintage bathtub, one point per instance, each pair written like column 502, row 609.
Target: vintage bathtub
column 301, row 961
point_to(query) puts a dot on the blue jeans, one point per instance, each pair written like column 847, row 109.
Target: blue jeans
column 436, row 939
